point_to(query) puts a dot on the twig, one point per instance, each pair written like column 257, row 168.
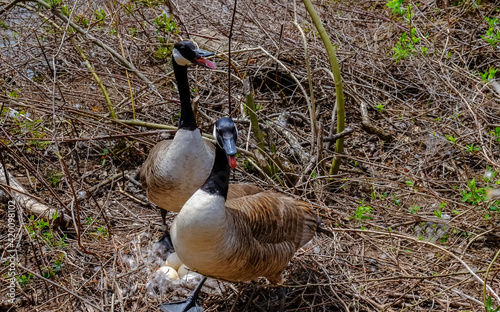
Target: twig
column 312, row 106
column 96, row 138
column 96, row 77
column 137, row 200
column 230, row 37
column 487, row 273
column 339, row 148
column 135, row 122
column 414, row 239
column 91, row 190
column 342, row 134
column 335, row 137
column 122, row 60
column 30, row 203
column 9, row 5
column 371, row 128
column 60, row 286
column 77, row 221
column 132, row 102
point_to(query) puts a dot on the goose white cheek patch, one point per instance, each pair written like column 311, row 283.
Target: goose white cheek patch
column 179, row 59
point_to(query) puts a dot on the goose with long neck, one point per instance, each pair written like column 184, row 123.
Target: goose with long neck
column 176, row 168
column 243, row 238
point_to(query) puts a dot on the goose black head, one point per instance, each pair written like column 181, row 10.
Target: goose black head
column 226, row 134
column 186, row 53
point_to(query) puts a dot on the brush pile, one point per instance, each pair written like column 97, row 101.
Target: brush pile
column 87, row 89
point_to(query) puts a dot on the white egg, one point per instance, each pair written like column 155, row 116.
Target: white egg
column 183, row 270
column 169, row 272
column 174, row 261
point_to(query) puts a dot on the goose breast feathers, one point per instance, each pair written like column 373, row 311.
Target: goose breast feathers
column 176, row 168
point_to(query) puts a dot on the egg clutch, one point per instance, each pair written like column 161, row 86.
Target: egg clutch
column 174, row 269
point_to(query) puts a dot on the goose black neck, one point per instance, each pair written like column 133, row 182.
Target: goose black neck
column 218, row 181
column 186, row 120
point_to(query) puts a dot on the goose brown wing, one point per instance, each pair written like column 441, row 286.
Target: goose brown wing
column 242, row 190
column 154, row 157
column 274, row 218
column 210, row 147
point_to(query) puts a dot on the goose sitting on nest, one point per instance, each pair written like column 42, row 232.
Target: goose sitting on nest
column 238, row 239
column 176, row 168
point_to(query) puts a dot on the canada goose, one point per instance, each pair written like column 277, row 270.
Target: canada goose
column 176, row 168
column 238, row 239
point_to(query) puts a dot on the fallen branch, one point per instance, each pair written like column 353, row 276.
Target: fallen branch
column 91, row 190
column 30, row 203
column 297, row 148
column 371, row 128
column 337, row 136
column 334, row 137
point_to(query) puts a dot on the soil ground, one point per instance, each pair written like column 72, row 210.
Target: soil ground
column 413, row 229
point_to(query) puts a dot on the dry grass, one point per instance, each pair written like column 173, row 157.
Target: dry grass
column 404, row 240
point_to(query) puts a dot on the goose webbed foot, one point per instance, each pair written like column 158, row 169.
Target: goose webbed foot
column 188, row 305
column 278, row 293
column 166, row 242
column 165, row 239
column 281, row 296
